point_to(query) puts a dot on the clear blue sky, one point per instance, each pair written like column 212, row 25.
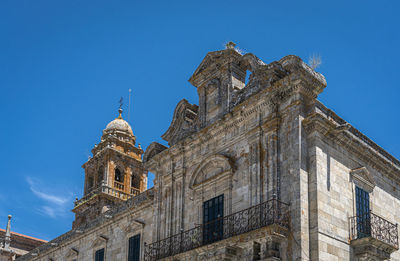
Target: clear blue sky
column 65, row 64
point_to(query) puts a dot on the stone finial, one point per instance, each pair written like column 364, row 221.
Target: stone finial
column 7, row 239
column 230, row 45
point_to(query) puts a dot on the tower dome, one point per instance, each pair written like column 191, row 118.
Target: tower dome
column 119, row 124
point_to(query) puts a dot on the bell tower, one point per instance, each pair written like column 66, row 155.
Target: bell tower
column 114, row 174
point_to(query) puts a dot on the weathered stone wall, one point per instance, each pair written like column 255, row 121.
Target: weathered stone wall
column 332, row 194
column 112, row 232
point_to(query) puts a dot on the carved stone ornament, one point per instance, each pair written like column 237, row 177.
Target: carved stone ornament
column 210, row 168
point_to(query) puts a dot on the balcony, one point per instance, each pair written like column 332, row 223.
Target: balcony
column 372, row 235
column 262, row 215
column 119, row 185
column 135, row 191
column 103, row 189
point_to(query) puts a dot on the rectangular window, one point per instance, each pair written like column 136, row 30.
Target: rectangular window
column 134, row 248
column 213, row 223
column 99, row 255
column 363, row 213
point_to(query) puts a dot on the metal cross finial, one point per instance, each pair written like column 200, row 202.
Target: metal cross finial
column 121, row 102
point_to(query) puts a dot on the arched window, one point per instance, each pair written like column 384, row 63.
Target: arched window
column 135, row 182
column 90, row 183
column 118, row 175
column 100, row 175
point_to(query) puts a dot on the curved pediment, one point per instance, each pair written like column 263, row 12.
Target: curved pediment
column 251, row 62
column 182, row 124
column 210, row 168
column 153, row 149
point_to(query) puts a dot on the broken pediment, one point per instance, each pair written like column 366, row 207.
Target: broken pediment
column 251, row 62
column 213, row 63
column 153, row 149
column 363, row 178
column 262, row 76
column 210, row 168
column 183, row 122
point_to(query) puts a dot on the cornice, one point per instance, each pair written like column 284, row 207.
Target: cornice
column 108, row 150
column 345, row 135
column 265, row 100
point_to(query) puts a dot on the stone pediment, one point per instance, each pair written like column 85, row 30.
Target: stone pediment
column 213, row 61
column 153, row 149
column 99, row 241
column 72, row 253
column 183, row 122
column 363, row 178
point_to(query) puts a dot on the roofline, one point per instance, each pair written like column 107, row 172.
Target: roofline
column 25, row 236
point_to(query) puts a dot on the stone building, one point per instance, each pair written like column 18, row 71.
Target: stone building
column 13, row 245
column 258, row 170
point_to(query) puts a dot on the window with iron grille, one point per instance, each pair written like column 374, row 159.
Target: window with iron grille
column 213, row 213
column 99, row 255
column 363, row 213
column 134, row 248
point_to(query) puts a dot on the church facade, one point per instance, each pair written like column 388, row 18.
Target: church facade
column 258, row 170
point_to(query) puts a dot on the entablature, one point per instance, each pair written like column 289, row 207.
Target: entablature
column 324, row 121
column 108, row 151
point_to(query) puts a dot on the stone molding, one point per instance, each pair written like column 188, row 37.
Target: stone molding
column 342, row 133
column 266, row 101
column 362, row 178
column 212, row 61
column 72, row 253
column 100, row 241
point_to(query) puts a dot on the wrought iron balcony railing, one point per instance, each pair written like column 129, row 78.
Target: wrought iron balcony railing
column 264, row 214
column 374, row 226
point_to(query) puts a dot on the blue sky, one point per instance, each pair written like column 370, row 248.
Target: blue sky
column 65, row 64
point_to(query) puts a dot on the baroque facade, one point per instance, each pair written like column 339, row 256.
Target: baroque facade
column 258, row 170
